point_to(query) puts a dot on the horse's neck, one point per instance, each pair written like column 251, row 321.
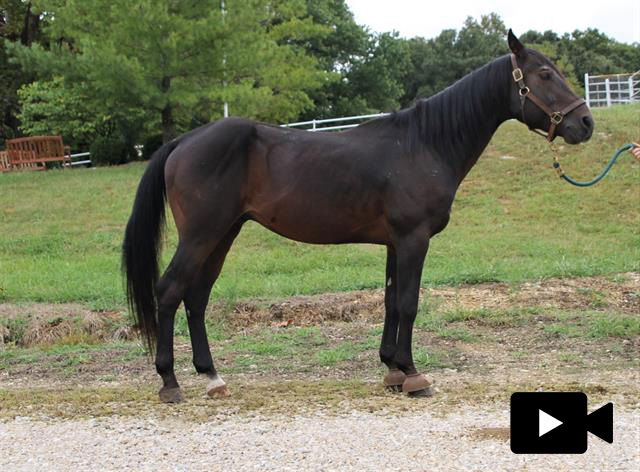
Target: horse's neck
column 471, row 111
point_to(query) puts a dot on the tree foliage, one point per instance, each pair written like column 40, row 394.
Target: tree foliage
column 129, row 70
column 53, row 107
column 438, row 62
column 173, row 56
column 19, row 23
column 586, row 52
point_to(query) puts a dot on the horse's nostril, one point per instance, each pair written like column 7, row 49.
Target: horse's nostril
column 587, row 121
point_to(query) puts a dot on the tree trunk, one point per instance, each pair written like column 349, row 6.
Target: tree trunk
column 168, row 122
column 31, row 27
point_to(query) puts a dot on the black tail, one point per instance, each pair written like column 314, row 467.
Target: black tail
column 142, row 244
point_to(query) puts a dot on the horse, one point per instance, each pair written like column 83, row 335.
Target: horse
column 390, row 181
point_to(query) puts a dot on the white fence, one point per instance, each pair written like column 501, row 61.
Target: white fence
column 344, row 123
column 83, row 162
column 607, row 90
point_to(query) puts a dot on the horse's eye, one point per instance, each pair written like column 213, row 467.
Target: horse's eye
column 545, row 74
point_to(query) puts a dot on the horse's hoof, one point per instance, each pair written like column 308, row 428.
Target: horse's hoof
column 171, row 395
column 418, row 385
column 424, row 393
column 217, row 388
column 394, row 379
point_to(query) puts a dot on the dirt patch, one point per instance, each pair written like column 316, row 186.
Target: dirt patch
column 486, row 434
column 583, row 292
column 46, row 324
column 623, row 295
column 311, row 310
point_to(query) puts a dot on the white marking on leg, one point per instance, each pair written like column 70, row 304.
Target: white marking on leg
column 216, row 383
column 389, row 282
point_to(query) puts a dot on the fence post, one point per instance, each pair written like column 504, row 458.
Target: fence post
column 607, row 89
column 314, row 125
column 587, row 94
column 631, row 89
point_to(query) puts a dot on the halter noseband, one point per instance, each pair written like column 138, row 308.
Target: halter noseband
column 525, row 92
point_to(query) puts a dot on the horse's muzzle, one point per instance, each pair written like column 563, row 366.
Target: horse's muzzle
column 579, row 128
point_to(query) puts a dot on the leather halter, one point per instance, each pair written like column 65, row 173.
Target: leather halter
column 525, row 92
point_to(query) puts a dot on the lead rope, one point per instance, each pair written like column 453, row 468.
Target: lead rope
column 595, row 180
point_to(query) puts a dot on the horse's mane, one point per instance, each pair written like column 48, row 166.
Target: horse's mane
column 456, row 115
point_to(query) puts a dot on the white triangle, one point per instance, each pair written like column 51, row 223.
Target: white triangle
column 546, row 423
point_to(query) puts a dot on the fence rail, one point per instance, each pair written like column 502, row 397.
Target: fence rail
column 82, row 162
column 313, row 124
column 608, row 90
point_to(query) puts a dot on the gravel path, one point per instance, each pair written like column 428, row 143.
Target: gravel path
column 356, row 441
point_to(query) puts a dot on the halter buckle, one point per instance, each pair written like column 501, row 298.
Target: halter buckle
column 517, row 74
column 556, row 118
column 524, row 91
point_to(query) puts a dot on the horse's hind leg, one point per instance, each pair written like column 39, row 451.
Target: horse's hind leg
column 184, row 267
column 195, row 301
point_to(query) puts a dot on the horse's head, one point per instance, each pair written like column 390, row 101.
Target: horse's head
column 542, row 99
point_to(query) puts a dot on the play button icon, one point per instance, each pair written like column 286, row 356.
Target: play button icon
column 546, row 423
column 556, row 422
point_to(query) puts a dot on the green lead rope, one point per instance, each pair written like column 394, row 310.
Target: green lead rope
column 558, row 168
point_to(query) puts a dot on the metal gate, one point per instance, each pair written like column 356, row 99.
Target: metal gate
column 607, row 90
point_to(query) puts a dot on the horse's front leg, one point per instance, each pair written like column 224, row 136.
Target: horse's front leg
column 410, row 254
column 394, row 378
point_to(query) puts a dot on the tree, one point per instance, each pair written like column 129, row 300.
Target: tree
column 581, row 52
column 375, row 83
column 58, row 108
column 481, row 42
column 438, row 62
column 366, row 70
column 593, row 52
column 170, row 57
column 534, row 37
column 434, row 66
column 18, row 23
column 268, row 74
column 344, row 44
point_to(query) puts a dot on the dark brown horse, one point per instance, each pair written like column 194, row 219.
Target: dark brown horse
column 390, row 181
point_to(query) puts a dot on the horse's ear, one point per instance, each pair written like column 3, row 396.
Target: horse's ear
column 514, row 43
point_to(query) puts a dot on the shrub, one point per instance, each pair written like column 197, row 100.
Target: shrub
column 151, row 145
column 111, row 150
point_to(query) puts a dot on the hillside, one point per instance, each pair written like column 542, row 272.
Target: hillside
column 513, row 220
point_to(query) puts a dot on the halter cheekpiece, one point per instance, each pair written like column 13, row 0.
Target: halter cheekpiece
column 525, row 92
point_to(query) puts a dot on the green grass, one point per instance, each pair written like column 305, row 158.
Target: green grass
column 512, row 220
column 595, row 324
column 437, row 320
column 342, row 353
column 62, row 355
column 429, row 359
column 569, row 323
column 457, row 334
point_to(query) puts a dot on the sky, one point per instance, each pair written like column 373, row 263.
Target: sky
column 618, row 19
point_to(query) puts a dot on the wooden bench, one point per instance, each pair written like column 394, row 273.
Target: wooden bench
column 5, row 165
column 33, row 153
column 14, row 160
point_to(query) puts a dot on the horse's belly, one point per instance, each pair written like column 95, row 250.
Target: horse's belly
column 319, row 224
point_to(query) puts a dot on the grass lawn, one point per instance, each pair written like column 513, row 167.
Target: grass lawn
column 512, row 220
